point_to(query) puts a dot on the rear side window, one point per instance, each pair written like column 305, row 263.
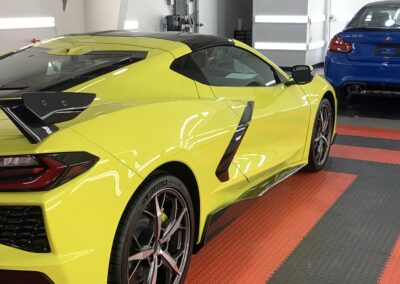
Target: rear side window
column 377, row 17
column 36, row 68
column 226, row 66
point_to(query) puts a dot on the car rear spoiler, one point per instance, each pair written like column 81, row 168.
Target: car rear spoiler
column 35, row 114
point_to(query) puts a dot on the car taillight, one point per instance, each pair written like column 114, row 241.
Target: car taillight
column 339, row 45
column 42, row 172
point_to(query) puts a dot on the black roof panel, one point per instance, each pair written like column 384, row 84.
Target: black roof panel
column 194, row 41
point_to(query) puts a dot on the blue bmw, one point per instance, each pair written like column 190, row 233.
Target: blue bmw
column 364, row 59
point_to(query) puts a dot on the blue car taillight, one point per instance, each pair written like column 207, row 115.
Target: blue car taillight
column 339, row 45
column 42, row 172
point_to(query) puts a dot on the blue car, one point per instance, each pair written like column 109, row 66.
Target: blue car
column 364, row 59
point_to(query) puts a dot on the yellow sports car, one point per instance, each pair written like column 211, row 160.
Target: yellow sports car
column 123, row 153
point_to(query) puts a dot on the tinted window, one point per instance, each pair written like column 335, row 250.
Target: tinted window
column 38, row 67
column 377, row 17
column 187, row 67
column 226, row 66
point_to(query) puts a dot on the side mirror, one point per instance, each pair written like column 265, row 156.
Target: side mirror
column 303, row 74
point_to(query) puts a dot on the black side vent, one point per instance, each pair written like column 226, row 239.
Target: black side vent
column 23, row 227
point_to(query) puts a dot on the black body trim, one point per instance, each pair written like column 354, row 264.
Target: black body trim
column 223, row 217
column 20, row 277
column 36, row 113
column 14, row 52
column 193, row 41
column 222, row 170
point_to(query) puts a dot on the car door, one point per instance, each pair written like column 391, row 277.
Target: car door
column 277, row 134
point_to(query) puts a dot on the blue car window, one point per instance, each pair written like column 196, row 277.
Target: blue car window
column 377, row 17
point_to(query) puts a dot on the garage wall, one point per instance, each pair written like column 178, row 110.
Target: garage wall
column 294, row 33
column 318, row 31
column 307, row 40
column 235, row 9
column 212, row 17
column 218, row 17
column 149, row 14
column 70, row 21
column 102, row 15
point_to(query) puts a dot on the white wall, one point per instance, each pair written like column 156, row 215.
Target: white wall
column 150, row 14
column 70, row 21
column 317, row 32
column 101, row 15
column 211, row 17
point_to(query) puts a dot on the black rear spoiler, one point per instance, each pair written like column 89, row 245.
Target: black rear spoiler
column 35, row 114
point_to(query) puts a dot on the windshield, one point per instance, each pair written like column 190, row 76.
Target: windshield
column 377, row 17
column 36, row 67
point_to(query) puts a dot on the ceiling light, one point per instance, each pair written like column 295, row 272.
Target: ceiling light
column 290, row 19
column 289, row 46
column 27, row 23
column 131, row 25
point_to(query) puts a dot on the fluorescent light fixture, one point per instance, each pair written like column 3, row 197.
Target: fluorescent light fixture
column 27, row 23
column 280, row 46
column 281, row 19
column 131, row 25
column 289, row 46
column 290, row 19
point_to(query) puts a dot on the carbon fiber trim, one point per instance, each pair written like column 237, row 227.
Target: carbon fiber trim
column 222, row 171
column 193, row 41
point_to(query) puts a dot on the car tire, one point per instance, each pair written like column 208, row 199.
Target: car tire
column 321, row 138
column 155, row 237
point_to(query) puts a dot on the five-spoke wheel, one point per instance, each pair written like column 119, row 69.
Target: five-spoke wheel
column 158, row 240
column 322, row 137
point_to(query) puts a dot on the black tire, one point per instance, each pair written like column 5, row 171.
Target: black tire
column 321, row 138
column 136, row 237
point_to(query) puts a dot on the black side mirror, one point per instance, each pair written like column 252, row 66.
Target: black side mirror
column 303, row 74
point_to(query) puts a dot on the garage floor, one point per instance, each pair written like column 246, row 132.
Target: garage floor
column 338, row 226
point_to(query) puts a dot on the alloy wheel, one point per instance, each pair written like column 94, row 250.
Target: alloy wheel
column 161, row 240
column 323, row 134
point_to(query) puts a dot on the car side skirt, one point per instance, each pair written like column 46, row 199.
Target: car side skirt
column 223, row 217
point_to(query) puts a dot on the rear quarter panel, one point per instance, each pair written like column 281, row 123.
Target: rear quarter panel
column 193, row 132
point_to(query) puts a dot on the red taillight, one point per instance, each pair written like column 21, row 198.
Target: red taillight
column 42, row 172
column 339, row 45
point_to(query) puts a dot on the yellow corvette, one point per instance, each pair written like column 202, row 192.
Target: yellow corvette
column 123, row 153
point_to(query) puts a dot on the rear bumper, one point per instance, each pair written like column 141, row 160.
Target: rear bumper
column 341, row 72
column 81, row 218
